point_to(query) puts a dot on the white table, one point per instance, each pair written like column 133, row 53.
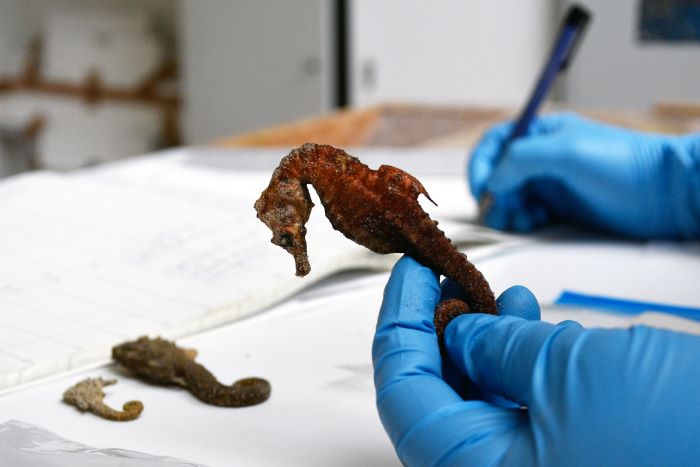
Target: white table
column 315, row 351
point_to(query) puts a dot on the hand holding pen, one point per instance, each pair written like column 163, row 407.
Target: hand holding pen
column 570, row 34
column 599, row 176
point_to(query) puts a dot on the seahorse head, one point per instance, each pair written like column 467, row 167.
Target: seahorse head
column 284, row 206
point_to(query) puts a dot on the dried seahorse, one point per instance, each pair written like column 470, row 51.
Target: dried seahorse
column 378, row 209
column 162, row 362
column 87, row 396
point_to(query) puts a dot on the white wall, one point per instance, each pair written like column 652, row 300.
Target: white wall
column 76, row 133
column 29, row 15
column 11, row 36
column 249, row 64
column 449, row 51
column 23, row 20
column 613, row 68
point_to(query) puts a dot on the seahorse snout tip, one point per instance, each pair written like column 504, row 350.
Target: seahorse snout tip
column 293, row 241
column 302, row 265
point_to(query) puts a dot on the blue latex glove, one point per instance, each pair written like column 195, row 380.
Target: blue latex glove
column 631, row 183
column 593, row 397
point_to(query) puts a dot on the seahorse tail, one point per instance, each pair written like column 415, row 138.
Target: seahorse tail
column 131, row 411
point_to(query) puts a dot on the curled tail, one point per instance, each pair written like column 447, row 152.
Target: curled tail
column 244, row 392
column 131, row 411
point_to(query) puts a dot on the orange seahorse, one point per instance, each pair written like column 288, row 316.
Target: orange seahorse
column 378, row 209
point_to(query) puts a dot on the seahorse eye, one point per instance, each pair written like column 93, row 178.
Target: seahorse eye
column 285, row 239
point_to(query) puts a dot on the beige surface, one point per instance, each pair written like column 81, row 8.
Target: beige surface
column 412, row 125
column 393, row 125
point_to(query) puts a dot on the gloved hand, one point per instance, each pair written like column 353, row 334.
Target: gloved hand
column 592, row 397
column 631, row 183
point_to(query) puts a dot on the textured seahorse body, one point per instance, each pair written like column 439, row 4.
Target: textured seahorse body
column 162, row 362
column 378, row 209
column 87, row 396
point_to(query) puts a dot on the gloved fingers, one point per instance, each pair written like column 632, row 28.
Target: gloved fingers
column 450, row 374
column 478, row 431
column 504, row 208
column 405, row 324
column 405, row 354
column 487, row 419
column 551, row 123
column 488, row 151
column 529, row 159
column 515, row 211
column 467, row 433
column 508, row 356
column 519, row 302
column 530, row 217
column 516, row 301
column 483, row 157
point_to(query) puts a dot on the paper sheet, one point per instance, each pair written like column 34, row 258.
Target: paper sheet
column 26, row 445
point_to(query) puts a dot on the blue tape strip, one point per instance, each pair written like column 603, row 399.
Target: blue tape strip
column 618, row 305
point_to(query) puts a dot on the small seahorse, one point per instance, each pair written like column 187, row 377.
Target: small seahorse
column 162, row 362
column 87, row 396
column 378, row 209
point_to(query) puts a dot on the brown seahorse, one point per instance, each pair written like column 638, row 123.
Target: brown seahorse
column 162, row 362
column 87, row 396
column 378, row 209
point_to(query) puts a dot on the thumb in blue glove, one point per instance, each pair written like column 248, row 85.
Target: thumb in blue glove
column 577, row 170
column 588, row 397
column 421, row 412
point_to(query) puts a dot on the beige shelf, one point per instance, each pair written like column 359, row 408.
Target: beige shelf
column 411, row 125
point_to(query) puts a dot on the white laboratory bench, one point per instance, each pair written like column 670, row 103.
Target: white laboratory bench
column 315, row 351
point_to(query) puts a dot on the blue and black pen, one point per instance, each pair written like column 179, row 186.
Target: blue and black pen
column 568, row 39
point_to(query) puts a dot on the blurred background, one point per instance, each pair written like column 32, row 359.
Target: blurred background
column 88, row 81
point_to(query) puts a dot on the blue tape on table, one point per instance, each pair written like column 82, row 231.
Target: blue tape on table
column 623, row 306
